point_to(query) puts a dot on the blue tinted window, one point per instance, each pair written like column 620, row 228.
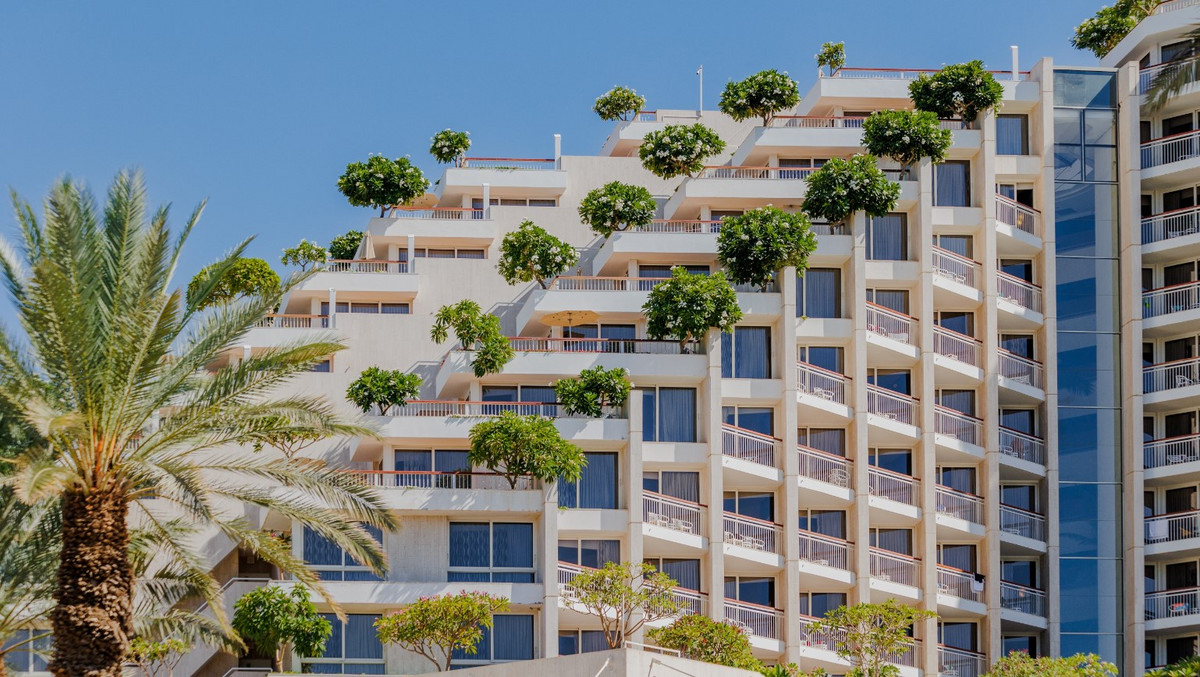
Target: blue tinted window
column 1084, row 89
column 1091, row 595
column 1088, row 442
column 1087, row 370
column 513, row 637
column 1089, row 520
column 1085, row 219
column 1087, row 294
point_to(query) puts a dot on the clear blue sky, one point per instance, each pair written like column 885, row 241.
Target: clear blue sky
column 258, row 105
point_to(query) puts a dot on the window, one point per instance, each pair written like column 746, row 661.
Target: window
column 817, row 604
column 895, row 380
column 500, row 552
column 369, row 308
column 669, row 414
column 1020, row 420
column 959, row 479
column 829, row 440
column 589, row 553
column 1019, row 193
column 958, row 555
column 892, row 299
column 322, row 367
column 477, row 203
column 898, row 541
column 746, row 353
column 31, row 656
column 887, row 238
column 571, row 642
column 334, row 564
column 1012, row 135
column 682, row 485
column 1018, row 344
column 952, row 184
column 955, row 244
column 422, row 468
column 614, row 336
column 1026, row 643
column 1179, row 199
column 759, row 419
column 804, row 167
column 685, row 572
column 830, row 523
column 962, row 401
column 665, row 271
column 1180, row 647
column 819, row 293
column 1022, row 572
column 956, row 321
column 1085, row 148
column 1021, row 269
column 825, row 357
column 597, row 486
column 340, row 306
column 443, row 253
column 1173, row 52
column 756, row 504
column 352, row 649
column 759, row 591
column 959, row 635
column 895, row 460
column 509, row 639
column 1023, row 496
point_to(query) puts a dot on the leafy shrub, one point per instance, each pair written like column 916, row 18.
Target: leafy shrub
column 906, row 136
column 841, row 187
column 530, row 253
column 1104, row 31
column 961, row 90
column 685, row 306
column 449, row 146
column 701, row 638
column 595, row 389
column 245, row 277
column 304, row 254
column 679, row 150
column 833, row 55
column 615, row 207
column 476, row 331
column 517, row 446
column 435, row 627
column 382, row 389
column 619, row 103
column 761, row 242
column 761, row 95
column 380, row 182
column 345, row 246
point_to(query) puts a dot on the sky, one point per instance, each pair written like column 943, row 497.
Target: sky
column 259, row 105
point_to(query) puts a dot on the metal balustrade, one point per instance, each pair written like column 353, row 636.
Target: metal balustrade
column 960, row 662
column 1020, row 369
column 752, row 533
column 955, row 267
column 822, row 383
column 428, row 479
column 909, row 73
column 813, row 637
column 817, row 122
column 891, row 405
column 690, row 602
column 1012, row 213
column 825, row 550
column 755, row 619
column 1168, row 149
column 819, row 228
column 365, row 266
column 1171, row 375
column 1173, row 527
column 1174, row 299
column 446, row 213
column 1170, row 225
column 1171, row 451
column 567, row 573
column 825, row 467
column 671, row 513
column 959, row 583
column 603, row 345
column 1172, row 603
column 895, row 567
column 278, row 321
column 588, row 283
column 891, row 324
column 1019, row 522
column 959, row 504
column 956, row 346
column 525, row 164
column 893, row 486
column 1174, row 5
column 1021, row 445
column 748, row 445
column 469, row 409
column 1018, row 291
column 1016, row 597
column 678, row 226
column 754, row 172
column 957, row 425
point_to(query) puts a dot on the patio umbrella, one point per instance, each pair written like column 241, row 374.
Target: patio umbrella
column 366, row 248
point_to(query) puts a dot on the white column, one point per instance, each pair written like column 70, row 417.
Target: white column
column 558, row 151
column 332, row 308
column 412, row 253
column 487, row 200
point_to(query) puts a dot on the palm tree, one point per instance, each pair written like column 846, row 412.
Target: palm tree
column 106, row 348
column 28, row 549
column 1171, row 80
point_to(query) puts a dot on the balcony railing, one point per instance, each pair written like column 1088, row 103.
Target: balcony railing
column 1019, row 522
column 602, row 345
column 959, row 504
column 891, row 405
column 1172, row 603
column 813, row 638
column 894, row 567
column 1174, row 5
column 891, row 324
column 1170, row 225
column 293, row 322
column 956, row 346
column 1021, row 369
column 1018, row 291
column 365, row 266
column 671, row 513
column 825, row 467
column 752, row 533
column 691, row 602
column 959, row 583
column 754, row 172
column 1171, row 451
column 586, row 283
column 461, row 408
column 755, row 619
column 955, row 267
column 1173, row 527
column 1016, row 597
column 825, row 550
column 960, row 663
column 533, row 164
column 822, row 383
column 748, row 445
column 820, row 228
column 1174, row 299
column 678, row 226
column 1019, row 216
column 817, row 122
column 426, row 479
column 442, row 213
column 1171, row 375
column 1170, row 149
column 1021, row 445
column 907, row 73
column 957, row 425
column 893, row 486
column 567, row 573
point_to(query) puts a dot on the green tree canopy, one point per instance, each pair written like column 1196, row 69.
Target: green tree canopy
column 1021, row 664
column 617, row 206
column 961, row 90
column 679, row 150
column 276, row 620
column 701, row 638
column 435, row 627
column 624, row 596
column 841, row 187
column 833, row 55
column 618, row 103
column 380, row 182
column 304, row 254
column 530, row 253
column 383, row 389
column 344, row 247
column 1104, row 31
column 761, row 242
column 867, row 635
column 476, row 331
column 761, row 95
column 595, row 389
column 245, row 277
column 906, row 136
column 450, row 146
column 516, row 446
column 685, row 306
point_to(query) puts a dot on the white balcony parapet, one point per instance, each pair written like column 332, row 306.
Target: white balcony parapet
column 1172, row 603
column 754, row 172
column 1168, row 149
column 959, row 504
column 906, row 73
column 957, row 425
column 677, row 226
column 1174, row 5
column 748, row 445
column 752, row 533
column 1170, row 225
column 365, row 266
column 1173, row 299
column 277, row 321
column 822, row 383
column 1021, row 598
column 960, row 663
column 959, row 583
column 955, row 267
column 671, row 513
column 1021, row 292
column 825, row 550
column 817, row 122
column 825, row 467
column 462, row 408
column 440, row 213
column 525, row 164
column 1019, row 522
column 891, row 405
column 1021, row 445
column 1171, row 451
column 1173, row 527
column 1171, row 375
column 1019, row 216
column 895, row 567
column 602, row 345
column 755, row 619
column 893, row 486
column 426, row 479
column 1021, row 369
column 956, row 346
column 891, row 324
column 586, row 283
column 825, row 228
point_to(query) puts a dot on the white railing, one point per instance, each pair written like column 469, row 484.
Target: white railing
column 1018, row 291
column 365, row 266
column 678, row 226
column 1021, row 445
column 1170, row 225
column 958, row 583
column 536, row 164
column 1020, row 369
column 1019, row 216
column 470, row 409
column 822, row 383
column 752, row 533
column 907, row 656
column 959, row 504
column 755, row 619
column 957, row 346
column 1020, row 598
column 1019, row 522
column 1171, row 375
column 584, row 283
column 652, row 649
column 447, row 213
column 826, row 228
column 825, row 550
column 748, row 445
column 825, row 467
column 954, row 267
column 887, row 322
column 893, row 486
column 1172, row 603
column 602, row 345
column 293, row 322
column 428, row 479
column 894, row 567
column 691, row 602
column 960, row 663
column 1173, row 299
column 1170, row 149
column 748, row 172
column 911, row 73
column 1171, row 451
column 1174, row 5
column 817, row 122
column 814, row 638
column 891, row 405
column 568, row 572
column 957, row 425
column 1173, row 527
column 670, row 512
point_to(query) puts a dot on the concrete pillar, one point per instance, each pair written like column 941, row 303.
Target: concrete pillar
column 549, row 625
column 859, row 520
column 632, row 489
column 788, row 514
column 487, row 201
column 558, row 151
column 332, row 308
column 715, row 497
column 412, row 253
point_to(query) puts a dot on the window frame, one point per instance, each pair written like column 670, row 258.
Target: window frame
column 491, row 570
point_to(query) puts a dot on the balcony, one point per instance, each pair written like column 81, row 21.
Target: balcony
column 380, row 280
column 825, row 551
column 894, row 573
column 1147, row 75
column 679, row 227
column 438, row 420
column 1175, row 154
column 958, row 434
column 891, row 335
column 960, row 662
column 447, row 492
column 1165, row 309
column 1023, row 600
column 822, row 395
column 826, row 479
column 958, row 358
column 1022, row 452
column 834, row 136
column 526, row 177
column 894, row 497
column 1171, row 235
column 960, row 505
column 434, row 227
column 758, row 542
column 962, row 585
column 1171, row 457
column 1022, row 380
column 1165, row 384
column 662, row 241
column 756, row 620
column 1021, row 531
column 293, row 321
column 892, row 416
column 1020, row 302
column 1172, row 533
column 673, row 524
column 1017, row 227
column 749, row 446
column 957, row 277
column 1172, row 609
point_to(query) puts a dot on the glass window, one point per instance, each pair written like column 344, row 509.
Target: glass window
column 30, row 656
column 1180, row 647
column 596, row 488
column 500, row 552
column 1088, row 444
column 959, row 479
column 759, row 591
column 665, row 271
column 759, row 419
column 887, row 238
column 952, row 184
column 682, row 485
column 955, row 244
column 959, row 635
column 1012, row 135
column 500, row 394
column 962, row 322
column 817, row 604
column 669, row 414
column 1089, row 519
column 1018, row 344
column 1023, row 496
column 1021, row 571
column 1090, row 89
column 830, row 523
column 893, row 540
column 1173, row 52
column 819, row 293
column 509, row 639
column 896, row 460
column 1025, row 643
column 756, row 504
column 589, row 553
column 957, row 555
column 685, row 572
column 895, row 380
column 571, row 642
column 352, row 649
column 746, row 353
column 394, row 308
column 1086, row 219
column 962, row 401
column 829, row 440
column 334, row 564
column 892, row 299
column 825, row 357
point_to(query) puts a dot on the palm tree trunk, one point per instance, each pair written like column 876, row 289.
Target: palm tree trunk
column 93, row 619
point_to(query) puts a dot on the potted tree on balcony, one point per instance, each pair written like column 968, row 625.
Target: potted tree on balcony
column 755, row 246
column 383, row 389
column 963, row 91
column 345, row 246
column 449, row 146
column 616, row 207
column 531, row 254
column 525, row 446
column 870, row 635
column 619, row 103
column 906, row 136
column 595, row 390
column 701, row 638
column 761, row 95
column 624, row 596
column 477, row 332
column 246, row 277
column 381, row 182
column 1104, row 31
column 833, row 55
column 841, row 187
column 679, row 150
column 435, row 627
column 278, row 621
column 305, row 254
column 685, row 306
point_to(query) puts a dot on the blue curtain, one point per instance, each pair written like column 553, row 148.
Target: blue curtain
column 962, row 401
column 952, row 184
column 568, row 642
column 677, row 414
column 483, row 647
column 825, row 357
column 752, row 356
column 568, row 493
column 959, row 556
column 333, row 645
column 888, row 238
column 893, row 299
column 413, row 461
column 832, row 440
column 896, row 460
column 649, row 415
column 959, row 635
column 685, row 572
column 538, row 394
column 592, row 640
column 682, row 485
column 1021, row 420
column 452, row 460
column 958, row 244
column 499, row 394
column 756, row 591
column 893, row 540
column 726, row 355
column 595, row 553
column 513, row 637
column 469, row 544
column 1011, row 138
column 758, row 419
column 320, row 551
column 960, row 479
column 598, row 485
column 819, row 293
column 361, row 639
column 828, row 522
column 824, row 602
column 512, row 545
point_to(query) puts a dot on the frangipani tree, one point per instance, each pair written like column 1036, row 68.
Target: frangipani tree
column 624, row 596
column 1102, row 32
column 382, row 182
column 686, row 305
column 870, row 635
column 679, row 150
column 531, row 254
column 619, row 103
column 616, row 207
column 963, row 90
column 841, row 187
column 761, row 95
column 906, row 136
column 436, row 627
column 754, row 246
column 448, row 146
column 525, row 446
column 476, row 331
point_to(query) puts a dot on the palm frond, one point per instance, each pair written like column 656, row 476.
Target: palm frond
column 1172, row 79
